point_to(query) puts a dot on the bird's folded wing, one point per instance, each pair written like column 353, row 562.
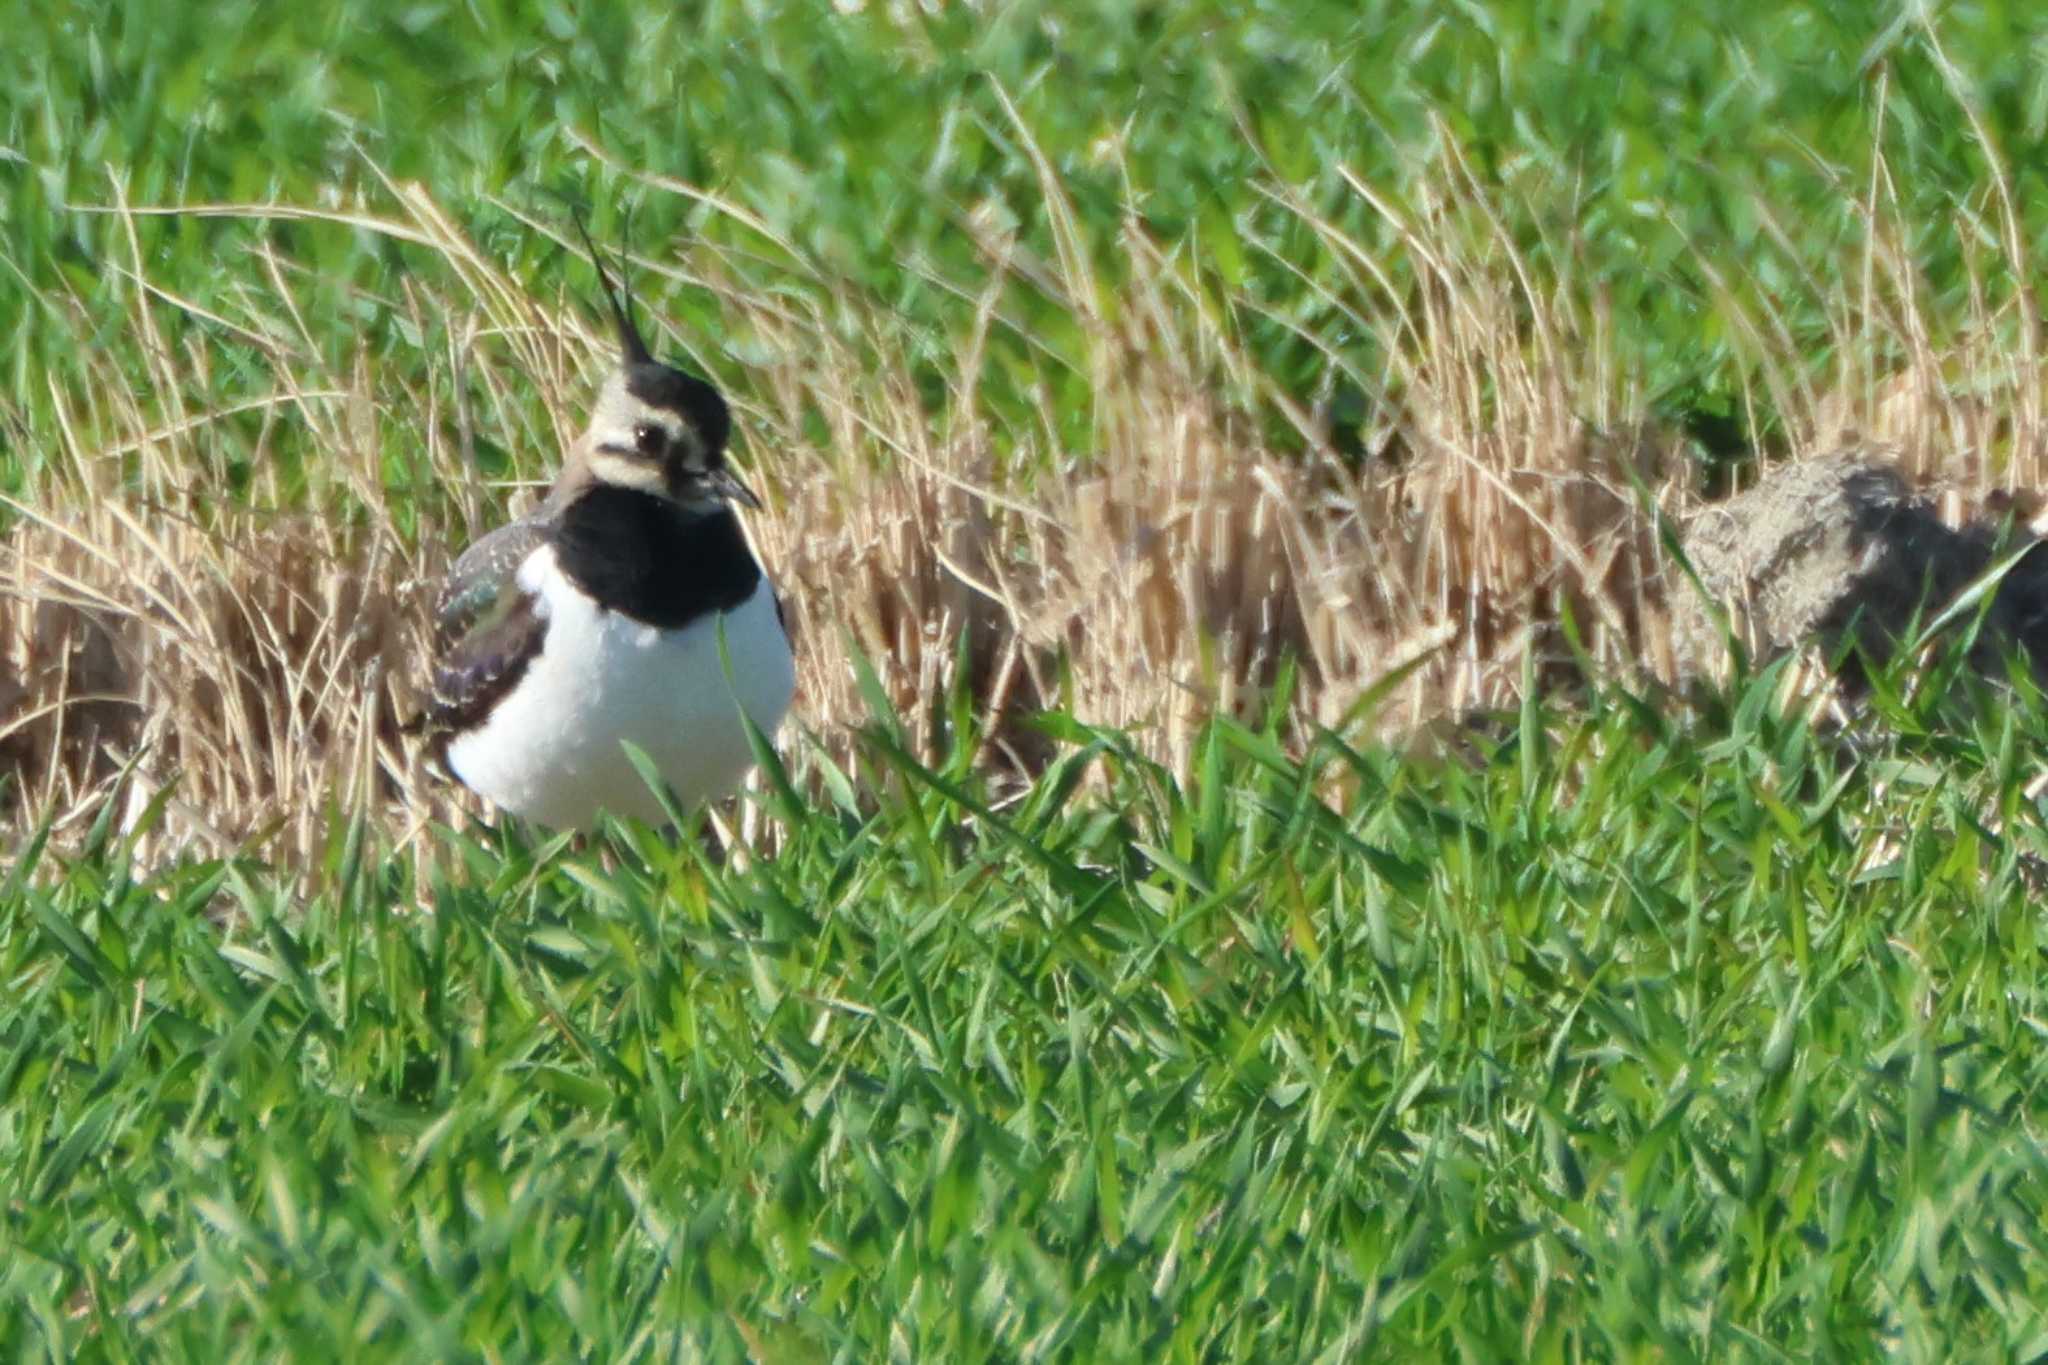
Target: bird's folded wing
column 487, row 627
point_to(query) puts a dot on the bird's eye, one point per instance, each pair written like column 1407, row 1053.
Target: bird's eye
column 651, row 439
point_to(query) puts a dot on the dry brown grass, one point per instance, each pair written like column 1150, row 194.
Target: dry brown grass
column 261, row 658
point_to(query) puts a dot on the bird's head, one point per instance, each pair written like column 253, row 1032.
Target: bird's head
column 655, row 428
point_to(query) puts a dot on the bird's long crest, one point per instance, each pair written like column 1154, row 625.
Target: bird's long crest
column 632, row 350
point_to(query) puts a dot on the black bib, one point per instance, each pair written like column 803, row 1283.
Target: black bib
column 647, row 558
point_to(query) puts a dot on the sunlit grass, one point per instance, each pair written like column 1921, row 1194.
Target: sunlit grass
column 1187, row 358
column 1693, row 172
column 1633, row 1035
column 1265, row 369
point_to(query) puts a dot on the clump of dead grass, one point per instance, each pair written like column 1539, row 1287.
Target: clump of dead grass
column 260, row 652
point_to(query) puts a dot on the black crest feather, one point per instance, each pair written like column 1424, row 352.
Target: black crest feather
column 632, row 350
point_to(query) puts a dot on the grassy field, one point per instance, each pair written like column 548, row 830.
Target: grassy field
column 1634, row 1040
column 1158, row 407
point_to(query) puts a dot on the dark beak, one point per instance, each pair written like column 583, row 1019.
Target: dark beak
column 732, row 490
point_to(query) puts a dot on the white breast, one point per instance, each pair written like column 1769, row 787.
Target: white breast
column 551, row 750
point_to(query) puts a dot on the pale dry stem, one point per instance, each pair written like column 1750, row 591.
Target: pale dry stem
column 262, row 659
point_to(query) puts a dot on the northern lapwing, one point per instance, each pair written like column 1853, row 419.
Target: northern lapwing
column 628, row 608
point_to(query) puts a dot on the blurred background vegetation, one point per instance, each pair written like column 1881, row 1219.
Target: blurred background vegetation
column 1641, row 154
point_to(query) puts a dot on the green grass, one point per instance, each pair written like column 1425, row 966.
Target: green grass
column 1630, row 1039
column 1643, row 1036
column 1691, row 173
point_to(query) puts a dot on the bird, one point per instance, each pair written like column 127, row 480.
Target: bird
column 627, row 608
